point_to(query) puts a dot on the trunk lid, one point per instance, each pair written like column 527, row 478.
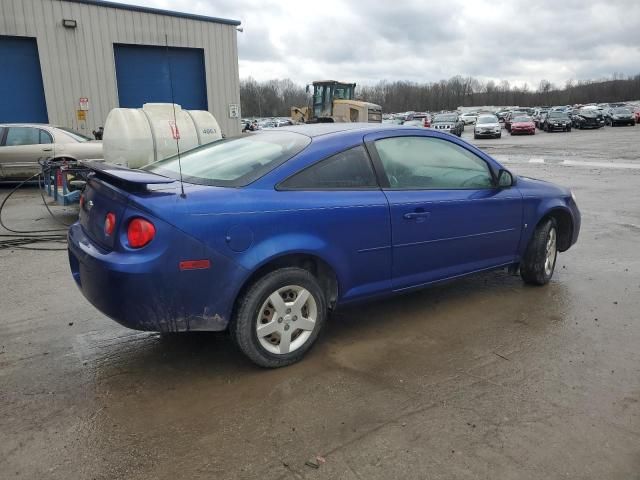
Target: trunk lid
column 108, row 191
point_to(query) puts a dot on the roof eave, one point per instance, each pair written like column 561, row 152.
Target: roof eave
column 156, row 11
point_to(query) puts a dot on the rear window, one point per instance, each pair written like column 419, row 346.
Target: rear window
column 234, row 162
column 348, row 170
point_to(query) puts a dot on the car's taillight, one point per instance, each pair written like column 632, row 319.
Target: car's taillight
column 81, row 201
column 140, row 232
column 109, row 223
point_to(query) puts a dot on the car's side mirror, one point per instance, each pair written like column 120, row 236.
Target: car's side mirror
column 505, row 179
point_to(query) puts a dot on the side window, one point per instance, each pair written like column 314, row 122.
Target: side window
column 417, row 163
column 2, row 130
column 348, row 170
column 45, row 137
column 22, row 136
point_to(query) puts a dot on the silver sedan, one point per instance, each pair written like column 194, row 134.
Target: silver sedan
column 23, row 145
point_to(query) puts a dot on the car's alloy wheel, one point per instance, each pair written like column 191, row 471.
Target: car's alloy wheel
column 539, row 260
column 279, row 317
column 286, row 320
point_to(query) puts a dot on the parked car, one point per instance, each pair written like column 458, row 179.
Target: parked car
column 277, row 228
column 510, row 116
column 23, row 145
column 538, row 117
column 448, row 122
column 636, row 114
column 425, row 118
column 556, row 120
column 501, row 114
column 469, row 118
column 620, row 116
column 414, row 123
column 395, row 121
column 587, row 118
column 523, row 124
column 487, row 126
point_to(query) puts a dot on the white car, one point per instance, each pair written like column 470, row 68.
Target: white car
column 469, row 117
column 487, row 126
column 23, row 145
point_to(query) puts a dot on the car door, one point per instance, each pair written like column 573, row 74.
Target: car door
column 340, row 204
column 447, row 216
column 21, row 150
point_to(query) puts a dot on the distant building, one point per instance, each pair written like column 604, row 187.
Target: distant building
column 69, row 62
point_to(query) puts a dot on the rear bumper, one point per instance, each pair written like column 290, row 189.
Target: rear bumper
column 148, row 291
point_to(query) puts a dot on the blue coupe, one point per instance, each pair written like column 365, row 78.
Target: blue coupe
column 269, row 231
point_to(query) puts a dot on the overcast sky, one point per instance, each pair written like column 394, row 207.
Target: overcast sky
column 427, row 40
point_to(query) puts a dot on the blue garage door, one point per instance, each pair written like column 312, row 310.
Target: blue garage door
column 143, row 76
column 21, row 90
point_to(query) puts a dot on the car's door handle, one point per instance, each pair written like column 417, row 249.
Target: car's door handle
column 414, row 215
column 47, row 149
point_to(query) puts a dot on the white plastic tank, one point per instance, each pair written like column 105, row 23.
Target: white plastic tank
column 134, row 137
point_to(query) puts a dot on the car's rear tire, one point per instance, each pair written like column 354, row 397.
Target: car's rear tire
column 279, row 317
column 539, row 260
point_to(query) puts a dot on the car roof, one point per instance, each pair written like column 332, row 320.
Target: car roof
column 319, row 129
column 28, row 125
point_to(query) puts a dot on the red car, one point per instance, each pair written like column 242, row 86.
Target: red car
column 523, row 124
column 636, row 114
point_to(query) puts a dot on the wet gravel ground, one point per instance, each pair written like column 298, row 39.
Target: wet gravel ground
column 479, row 378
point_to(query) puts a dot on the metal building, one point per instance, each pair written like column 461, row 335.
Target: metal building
column 69, row 62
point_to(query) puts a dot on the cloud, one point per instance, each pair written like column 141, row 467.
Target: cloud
column 364, row 41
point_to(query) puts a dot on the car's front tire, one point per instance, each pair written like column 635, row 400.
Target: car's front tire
column 539, row 260
column 279, row 317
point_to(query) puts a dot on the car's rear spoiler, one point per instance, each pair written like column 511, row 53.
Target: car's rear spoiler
column 123, row 177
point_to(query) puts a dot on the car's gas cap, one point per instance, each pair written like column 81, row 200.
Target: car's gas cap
column 239, row 238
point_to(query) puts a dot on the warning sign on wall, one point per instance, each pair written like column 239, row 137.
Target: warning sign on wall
column 81, row 115
column 84, row 103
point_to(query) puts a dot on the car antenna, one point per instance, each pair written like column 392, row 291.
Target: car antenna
column 175, row 120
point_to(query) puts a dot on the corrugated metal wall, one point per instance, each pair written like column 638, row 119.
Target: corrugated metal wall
column 80, row 62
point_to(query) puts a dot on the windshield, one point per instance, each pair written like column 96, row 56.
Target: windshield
column 445, row 118
column 556, row 114
column 78, row 137
column 491, row 119
column 624, row 111
column 234, row 162
column 522, row 119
